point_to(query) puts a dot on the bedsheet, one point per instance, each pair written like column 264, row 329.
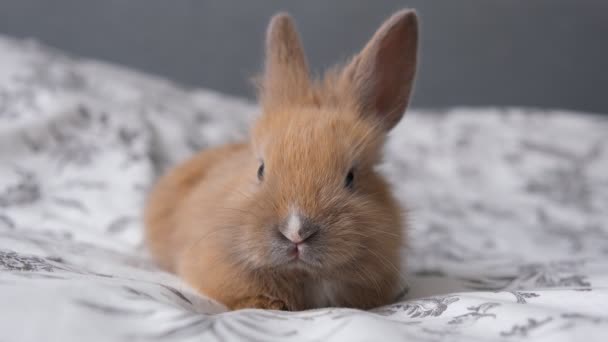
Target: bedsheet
column 508, row 216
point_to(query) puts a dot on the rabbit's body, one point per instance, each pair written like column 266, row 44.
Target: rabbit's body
column 297, row 218
column 194, row 216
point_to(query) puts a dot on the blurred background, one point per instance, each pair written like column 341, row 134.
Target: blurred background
column 541, row 53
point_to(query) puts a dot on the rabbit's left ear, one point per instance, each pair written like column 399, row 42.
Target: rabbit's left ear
column 381, row 76
column 286, row 76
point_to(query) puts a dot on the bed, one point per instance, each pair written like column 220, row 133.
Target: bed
column 509, row 216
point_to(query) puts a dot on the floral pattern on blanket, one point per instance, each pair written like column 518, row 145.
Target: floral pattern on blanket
column 509, row 216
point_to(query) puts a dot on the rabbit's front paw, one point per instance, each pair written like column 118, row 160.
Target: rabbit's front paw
column 260, row 302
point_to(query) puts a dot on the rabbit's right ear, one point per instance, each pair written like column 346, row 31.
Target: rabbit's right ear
column 286, row 78
column 381, row 76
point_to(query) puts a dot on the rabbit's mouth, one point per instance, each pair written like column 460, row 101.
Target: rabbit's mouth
column 302, row 255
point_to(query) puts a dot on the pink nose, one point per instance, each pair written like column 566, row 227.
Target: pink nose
column 297, row 237
column 298, row 230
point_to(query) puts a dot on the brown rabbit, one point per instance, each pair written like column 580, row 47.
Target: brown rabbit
column 296, row 218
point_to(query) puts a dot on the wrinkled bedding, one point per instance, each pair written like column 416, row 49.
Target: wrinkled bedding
column 508, row 215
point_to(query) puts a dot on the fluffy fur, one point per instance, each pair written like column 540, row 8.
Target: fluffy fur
column 219, row 221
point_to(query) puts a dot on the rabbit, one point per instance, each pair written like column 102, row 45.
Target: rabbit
column 298, row 216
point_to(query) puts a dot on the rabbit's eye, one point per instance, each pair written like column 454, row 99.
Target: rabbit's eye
column 261, row 171
column 349, row 182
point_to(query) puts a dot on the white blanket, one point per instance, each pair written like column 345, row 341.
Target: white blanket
column 509, row 218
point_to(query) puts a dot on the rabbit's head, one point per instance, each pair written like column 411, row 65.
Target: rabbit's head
column 317, row 202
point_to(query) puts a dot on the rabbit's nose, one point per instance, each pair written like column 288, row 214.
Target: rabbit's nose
column 297, row 229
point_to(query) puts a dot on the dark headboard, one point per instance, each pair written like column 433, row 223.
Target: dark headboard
column 542, row 53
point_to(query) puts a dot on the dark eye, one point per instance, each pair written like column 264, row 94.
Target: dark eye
column 349, row 182
column 261, row 171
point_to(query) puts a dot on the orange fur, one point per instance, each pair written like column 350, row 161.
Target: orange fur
column 212, row 220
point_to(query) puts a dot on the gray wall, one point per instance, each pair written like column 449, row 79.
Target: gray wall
column 542, row 53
